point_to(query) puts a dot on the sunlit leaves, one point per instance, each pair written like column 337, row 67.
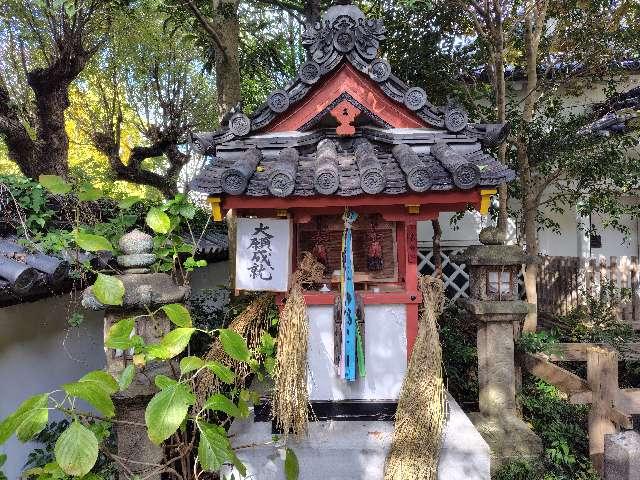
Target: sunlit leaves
column 126, row 377
column 28, row 420
column 214, row 448
column 172, row 344
column 166, row 411
column 223, row 372
column 234, row 345
column 190, row 364
column 108, row 290
column 218, row 402
column 178, row 314
column 120, row 334
column 92, row 243
column 76, row 450
column 55, row 184
column 158, row 221
column 96, row 389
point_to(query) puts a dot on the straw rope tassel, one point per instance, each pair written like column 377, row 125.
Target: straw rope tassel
column 421, row 409
column 290, row 393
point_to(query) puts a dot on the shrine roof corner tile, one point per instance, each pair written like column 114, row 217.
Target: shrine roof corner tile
column 344, row 35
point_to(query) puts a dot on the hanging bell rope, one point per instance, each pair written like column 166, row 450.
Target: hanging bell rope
column 422, row 407
column 290, row 394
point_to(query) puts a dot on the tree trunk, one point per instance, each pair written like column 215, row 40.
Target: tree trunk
column 227, row 26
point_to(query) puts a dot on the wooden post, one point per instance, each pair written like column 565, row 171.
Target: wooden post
column 602, row 375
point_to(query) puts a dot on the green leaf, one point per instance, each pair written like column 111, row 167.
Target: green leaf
column 102, row 379
column 221, row 403
column 178, row 314
column 128, row 202
column 214, row 448
column 28, row 420
column 3, row 459
column 172, row 344
column 76, row 450
column 88, row 193
column 267, row 344
column 190, row 364
column 119, row 335
column 108, row 290
column 126, row 377
column 158, row 220
column 234, row 345
column 91, row 242
column 291, row 466
column 223, row 372
column 162, row 381
column 166, row 411
column 55, row 184
column 93, row 394
column 96, row 389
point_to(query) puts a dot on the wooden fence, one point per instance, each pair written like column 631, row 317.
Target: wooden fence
column 563, row 283
column 611, row 409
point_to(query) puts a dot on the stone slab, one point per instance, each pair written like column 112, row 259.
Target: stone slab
column 356, row 450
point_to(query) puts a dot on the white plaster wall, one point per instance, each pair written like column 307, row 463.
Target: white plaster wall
column 38, row 353
column 385, row 355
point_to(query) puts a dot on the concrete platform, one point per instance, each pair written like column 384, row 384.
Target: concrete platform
column 356, row 450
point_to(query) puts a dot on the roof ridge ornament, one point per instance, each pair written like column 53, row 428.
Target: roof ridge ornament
column 343, row 30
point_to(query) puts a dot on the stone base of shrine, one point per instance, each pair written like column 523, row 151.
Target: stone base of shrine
column 355, row 450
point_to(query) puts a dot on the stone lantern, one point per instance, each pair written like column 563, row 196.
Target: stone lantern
column 495, row 306
column 144, row 291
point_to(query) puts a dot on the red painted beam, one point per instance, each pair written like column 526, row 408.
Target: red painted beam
column 433, row 200
column 346, row 79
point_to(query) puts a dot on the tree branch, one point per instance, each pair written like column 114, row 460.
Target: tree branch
column 208, row 27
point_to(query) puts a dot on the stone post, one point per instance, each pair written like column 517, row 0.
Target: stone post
column 143, row 291
column 495, row 307
column 622, row 456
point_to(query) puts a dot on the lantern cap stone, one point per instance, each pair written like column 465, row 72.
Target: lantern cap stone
column 492, row 236
column 497, row 255
column 136, row 242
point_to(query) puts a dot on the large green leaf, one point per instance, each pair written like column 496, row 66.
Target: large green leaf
column 55, row 184
column 234, row 345
column 108, row 290
column 214, row 448
column 158, row 220
column 291, row 466
column 166, row 411
column 91, row 242
column 190, row 364
column 223, row 372
column 96, row 389
column 28, row 420
column 219, row 402
column 126, row 377
column 119, row 335
column 172, row 344
column 178, row 314
column 76, row 450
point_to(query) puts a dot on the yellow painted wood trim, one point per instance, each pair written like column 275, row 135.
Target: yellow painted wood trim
column 216, row 211
column 485, row 200
column 282, row 213
column 413, row 209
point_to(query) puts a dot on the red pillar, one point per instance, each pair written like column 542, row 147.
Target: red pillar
column 410, row 261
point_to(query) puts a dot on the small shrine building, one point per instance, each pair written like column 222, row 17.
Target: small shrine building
column 347, row 145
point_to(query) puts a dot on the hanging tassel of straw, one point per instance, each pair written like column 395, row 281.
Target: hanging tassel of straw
column 290, row 395
column 422, row 406
column 250, row 323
